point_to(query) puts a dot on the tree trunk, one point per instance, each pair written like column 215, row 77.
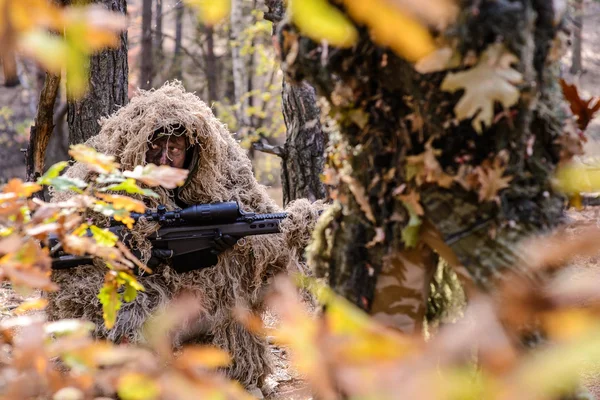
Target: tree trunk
column 177, row 59
column 576, row 64
column 146, row 59
column 302, row 156
column 240, row 77
column 108, row 71
column 211, row 65
column 158, row 34
column 386, row 112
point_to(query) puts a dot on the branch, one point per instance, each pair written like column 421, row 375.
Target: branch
column 42, row 128
column 263, row 146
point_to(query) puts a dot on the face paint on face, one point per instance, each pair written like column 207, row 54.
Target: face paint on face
column 167, row 150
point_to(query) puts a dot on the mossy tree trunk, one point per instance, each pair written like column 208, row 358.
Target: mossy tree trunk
column 386, row 112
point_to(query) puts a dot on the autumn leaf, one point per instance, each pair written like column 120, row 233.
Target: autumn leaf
column 392, row 26
column 136, row 386
column 360, row 195
column 492, row 181
column 438, row 60
column 203, row 357
column 123, row 202
column 31, row 305
column 165, row 176
column 97, row 162
column 319, row 20
column 425, row 168
column 413, row 200
column 210, row 12
column 103, row 237
column 17, row 187
column 111, row 303
column 580, row 108
column 130, row 187
column 491, row 80
column 410, row 233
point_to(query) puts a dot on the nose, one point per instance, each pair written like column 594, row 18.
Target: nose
column 164, row 159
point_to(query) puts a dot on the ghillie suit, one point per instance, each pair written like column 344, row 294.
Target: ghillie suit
column 220, row 171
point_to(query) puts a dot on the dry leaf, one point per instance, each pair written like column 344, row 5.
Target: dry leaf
column 123, row 202
column 413, row 200
column 491, row 80
column 97, row 162
column 21, row 189
column 378, row 238
column 425, row 167
column 492, row 181
column 203, row 357
column 439, row 60
column 36, row 304
column 152, row 175
column 360, row 195
column 580, row 108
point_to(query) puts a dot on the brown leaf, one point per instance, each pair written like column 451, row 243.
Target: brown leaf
column 584, row 110
column 360, row 196
column 492, row 181
column 425, row 167
column 413, row 200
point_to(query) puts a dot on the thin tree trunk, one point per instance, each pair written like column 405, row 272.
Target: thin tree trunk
column 240, row 79
column 369, row 231
column 108, row 72
column 302, row 156
column 158, row 33
column 146, row 59
column 42, row 129
column 576, row 64
column 211, row 64
column 9, row 65
column 177, row 59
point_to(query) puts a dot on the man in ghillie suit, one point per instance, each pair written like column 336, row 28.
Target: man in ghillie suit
column 180, row 123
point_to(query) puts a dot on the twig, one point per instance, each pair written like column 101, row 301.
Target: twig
column 263, row 146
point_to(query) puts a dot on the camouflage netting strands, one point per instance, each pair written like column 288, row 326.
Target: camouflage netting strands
column 222, row 172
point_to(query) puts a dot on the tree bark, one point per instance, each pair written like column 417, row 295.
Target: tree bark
column 302, row 156
column 146, row 56
column 576, row 64
column 177, row 59
column 108, row 86
column 376, row 97
column 42, row 129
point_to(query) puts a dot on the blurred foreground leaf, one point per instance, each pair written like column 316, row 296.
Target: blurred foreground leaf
column 319, row 20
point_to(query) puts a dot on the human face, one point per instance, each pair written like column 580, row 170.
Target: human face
column 167, row 150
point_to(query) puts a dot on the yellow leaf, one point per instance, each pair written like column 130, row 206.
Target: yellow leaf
column 123, row 202
column 97, row 162
column 568, row 324
column 136, row 386
column 574, row 179
column 111, row 303
column 491, row 80
column 165, row 176
column 103, row 237
column 210, row 11
column 204, row 357
column 319, row 20
column 391, row 26
column 50, row 50
column 36, row 304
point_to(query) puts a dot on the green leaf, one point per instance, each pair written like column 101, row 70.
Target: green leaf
column 130, row 294
column 52, row 173
column 111, row 303
column 410, row 233
column 104, row 237
column 62, row 183
column 131, row 187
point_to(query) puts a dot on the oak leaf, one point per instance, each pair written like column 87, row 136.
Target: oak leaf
column 584, row 110
column 97, row 162
column 491, row 80
column 492, row 181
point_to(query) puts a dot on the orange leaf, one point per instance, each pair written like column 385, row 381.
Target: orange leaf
column 21, row 189
column 36, row 304
column 204, row 357
column 123, row 202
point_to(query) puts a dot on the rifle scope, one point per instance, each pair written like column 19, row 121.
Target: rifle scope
column 214, row 213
